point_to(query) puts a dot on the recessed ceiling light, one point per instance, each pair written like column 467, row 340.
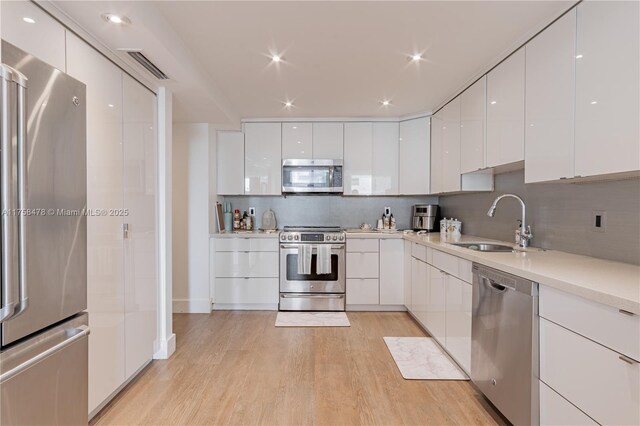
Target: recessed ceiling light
column 288, row 104
column 416, row 57
column 276, row 58
column 386, row 102
column 116, row 19
column 578, row 56
column 493, row 102
column 110, row 105
column 29, row 20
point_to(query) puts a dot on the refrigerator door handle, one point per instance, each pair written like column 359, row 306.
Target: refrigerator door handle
column 22, row 196
column 75, row 333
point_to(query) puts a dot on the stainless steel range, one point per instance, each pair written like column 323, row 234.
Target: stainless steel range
column 312, row 269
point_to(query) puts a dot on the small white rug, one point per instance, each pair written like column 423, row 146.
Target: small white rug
column 312, row 319
column 420, row 358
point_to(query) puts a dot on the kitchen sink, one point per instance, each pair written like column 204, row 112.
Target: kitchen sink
column 486, row 247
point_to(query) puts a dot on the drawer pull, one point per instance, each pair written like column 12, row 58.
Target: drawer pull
column 628, row 360
column 622, row 311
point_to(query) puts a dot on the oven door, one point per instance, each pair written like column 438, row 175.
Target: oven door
column 293, row 282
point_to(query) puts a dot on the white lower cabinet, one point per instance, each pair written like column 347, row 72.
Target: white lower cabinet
column 406, row 264
column 435, row 306
column 599, row 381
column 246, row 273
column 391, row 272
column 557, row 411
column 363, row 291
column 458, row 320
column 362, row 265
column 419, row 283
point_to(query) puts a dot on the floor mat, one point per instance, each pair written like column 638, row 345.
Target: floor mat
column 420, row 358
column 312, row 319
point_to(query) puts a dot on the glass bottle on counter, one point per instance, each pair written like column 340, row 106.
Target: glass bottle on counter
column 236, row 220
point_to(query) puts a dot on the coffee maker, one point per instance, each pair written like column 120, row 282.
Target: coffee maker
column 424, row 217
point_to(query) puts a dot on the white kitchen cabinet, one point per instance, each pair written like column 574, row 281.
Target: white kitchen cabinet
column 435, row 306
column 363, row 245
column 414, row 168
column 247, row 244
column 437, row 152
column 458, row 320
column 358, row 159
column 472, row 127
column 105, row 249
column 391, row 272
column 362, row 265
column 297, row 141
column 362, row 291
column 451, row 146
column 550, row 102
column 44, row 38
column 406, row 264
column 230, row 162
column 557, row 411
column 242, row 264
column 607, row 88
column 505, row 111
column 244, row 290
column 328, row 141
column 140, row 246
column 599, row 381
column 263, row 158
column 419, row 284
column 385, row 151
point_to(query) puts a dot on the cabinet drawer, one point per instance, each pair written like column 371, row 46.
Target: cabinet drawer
column 362, row 265
column 445, row 262
column 247, row 264
column 557, row 411
column 246, row 290
column 362, row 291
column 246, row 244
column 604, row 324
column 419, row 251
column 592, row 377
column 464, row 270
column 362, row 245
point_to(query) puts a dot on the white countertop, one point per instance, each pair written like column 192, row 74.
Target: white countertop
column 604, row 281
column 358, row 233
column 246, row 234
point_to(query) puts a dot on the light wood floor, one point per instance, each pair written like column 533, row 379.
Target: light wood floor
column 237, row 368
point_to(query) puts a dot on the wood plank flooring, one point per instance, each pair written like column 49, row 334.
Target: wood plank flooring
column 235, row 367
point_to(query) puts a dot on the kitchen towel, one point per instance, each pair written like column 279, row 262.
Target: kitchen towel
column 323, row 259
column 420, row 358
column 304, row 259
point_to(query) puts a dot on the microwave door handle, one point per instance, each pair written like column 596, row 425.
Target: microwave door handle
column 331, row 170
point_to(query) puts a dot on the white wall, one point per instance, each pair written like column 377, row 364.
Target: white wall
column 191, row 218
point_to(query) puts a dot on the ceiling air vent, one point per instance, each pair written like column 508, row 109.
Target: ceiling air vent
column 147, row 64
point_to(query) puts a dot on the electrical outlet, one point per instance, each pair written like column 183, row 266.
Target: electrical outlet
column 387, row 211
column 599, row 221
column 252, row 211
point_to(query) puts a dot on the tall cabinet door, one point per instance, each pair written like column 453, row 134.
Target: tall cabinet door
column 451, row 146
column 415, row 163
column 140, row 192
column 437, row 149
column 297, row 141
column 472, row 128
column 550, row 102
column 230, row 161
column 358, row 167
column 105, row 255
column 505, row 111
column 385, row 158
column 263, row 158
column 328, row 141
column 607, row 88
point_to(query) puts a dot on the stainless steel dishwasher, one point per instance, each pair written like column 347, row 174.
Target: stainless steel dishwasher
column 504, row 346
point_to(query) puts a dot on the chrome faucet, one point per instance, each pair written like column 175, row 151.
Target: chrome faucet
column 523, row 234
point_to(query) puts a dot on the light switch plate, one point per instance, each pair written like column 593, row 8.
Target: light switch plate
column 387, row 211
column 599, row 221
column 252, row 211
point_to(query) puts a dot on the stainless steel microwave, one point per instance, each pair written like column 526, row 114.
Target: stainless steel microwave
column 312, row 176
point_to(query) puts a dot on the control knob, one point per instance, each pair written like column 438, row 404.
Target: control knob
column 327, row 238
column 341, row 237
column 335, row 238
column 296, row 238
column 289, row 238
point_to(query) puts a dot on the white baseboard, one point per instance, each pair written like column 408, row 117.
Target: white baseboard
column 245, row 306
column 191, row 306
column 166, row 348
column 376, row 308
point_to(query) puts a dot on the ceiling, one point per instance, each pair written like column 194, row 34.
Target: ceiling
column 340, row 59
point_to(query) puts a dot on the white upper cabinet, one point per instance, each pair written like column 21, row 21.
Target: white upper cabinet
column 42, row 36
column 385, row 158
column 297, row 141
column 472, row 128
column 230, row 161
column 505, row 111
column 263, row 159
column 550, row 102
column 328, row 141
column 414, row 170
column 358, row 158
column 437, row 146
column 607, row 88
column 451, row 146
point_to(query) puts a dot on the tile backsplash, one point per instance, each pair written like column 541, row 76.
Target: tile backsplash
column 315, row 210
column 561, row 215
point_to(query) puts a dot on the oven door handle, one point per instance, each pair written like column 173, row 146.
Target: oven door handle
column 312, row 296
column 295, row 247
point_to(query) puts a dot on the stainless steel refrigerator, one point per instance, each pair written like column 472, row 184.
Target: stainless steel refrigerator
column 43, row 244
